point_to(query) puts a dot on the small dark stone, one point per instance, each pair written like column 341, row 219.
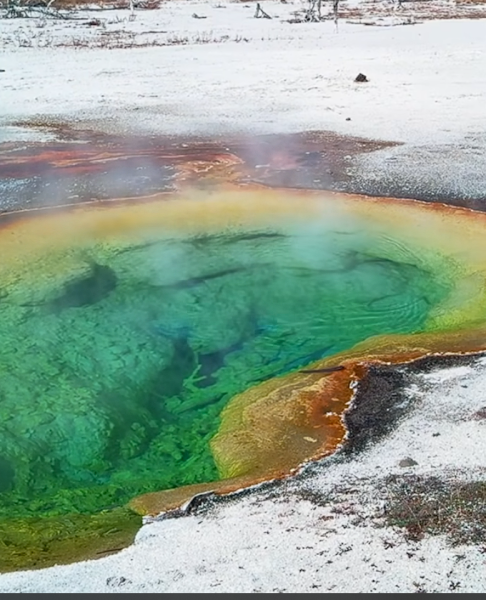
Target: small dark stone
column 360, row 78
column 407, row 462
column 435, row 434
column 348, row 118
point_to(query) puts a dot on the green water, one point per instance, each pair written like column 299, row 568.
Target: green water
column 112, row 383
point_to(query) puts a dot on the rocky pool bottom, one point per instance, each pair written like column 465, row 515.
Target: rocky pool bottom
column 154, row 345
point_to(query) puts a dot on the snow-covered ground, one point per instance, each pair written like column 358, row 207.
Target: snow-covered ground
column 168, row 72
column 426, row 82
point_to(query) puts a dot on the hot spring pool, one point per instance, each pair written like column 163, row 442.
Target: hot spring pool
column 126, row 329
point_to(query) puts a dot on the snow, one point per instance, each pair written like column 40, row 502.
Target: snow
column 424, row 80
column 232, row 73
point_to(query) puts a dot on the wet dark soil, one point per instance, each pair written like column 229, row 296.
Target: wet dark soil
column 381, row 400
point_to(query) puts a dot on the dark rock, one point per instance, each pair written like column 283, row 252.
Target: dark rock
column 360, row 78
column 407, row 462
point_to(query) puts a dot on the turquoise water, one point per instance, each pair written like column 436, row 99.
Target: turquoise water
column 112, row 384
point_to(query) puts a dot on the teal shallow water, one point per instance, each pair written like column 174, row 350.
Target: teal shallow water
column 112, row 384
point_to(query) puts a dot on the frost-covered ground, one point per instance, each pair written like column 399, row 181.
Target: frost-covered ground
column 335, row 526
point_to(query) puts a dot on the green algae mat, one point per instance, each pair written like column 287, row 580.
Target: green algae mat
column 126, row 329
